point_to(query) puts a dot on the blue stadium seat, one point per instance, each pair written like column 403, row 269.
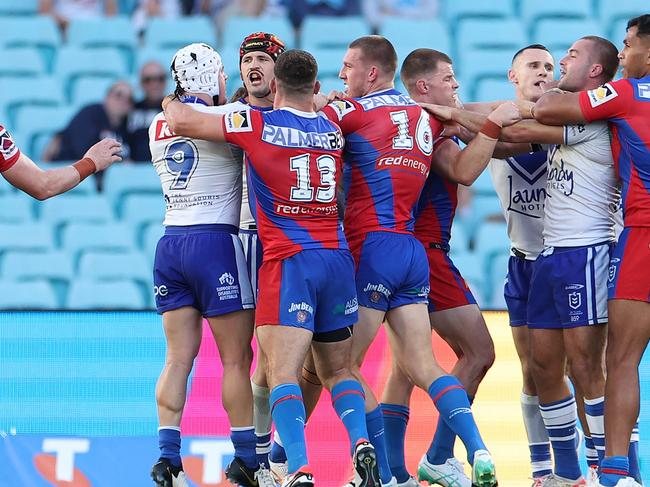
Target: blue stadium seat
column 26, row 236
column 497, row 275
column 119, row 294
column 613, row 11
column 23, row 265
column 410, row 34
column 16, row 208
column 492, row 89
column 558, row 34
column 5, row 187
column 491, row 240
column 176, row 33
column 22, row 61
column 330, row 61
column 470, row 266
column 123, row 179
column 114, row 32
column 616, row 32
column 103, row 266
column 330, row 83
column 475, row 65
column 142, row 209
column 75, row 208
column 237, row 28
column 483, row 207
column 459, row 239
column 40, row 121
column 483, row 185
column 22, row 7
column 490, row 34
column 38, row 31
column 83, row 237
column 19, row 91
column 150, row 237
column 332, row 32
column 560, row 9
column 27, row 295
column 455, row 10
column 90, row 90
column 74, row 62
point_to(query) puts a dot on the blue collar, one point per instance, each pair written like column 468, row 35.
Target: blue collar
column 192, row 99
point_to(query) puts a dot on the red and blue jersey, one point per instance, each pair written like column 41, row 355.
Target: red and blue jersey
column 294, row 162
column 436, row 209
column 9, row 152
column 626, row 105
column 387, row 156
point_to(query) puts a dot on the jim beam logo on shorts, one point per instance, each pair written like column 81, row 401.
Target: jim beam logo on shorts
column 376, row 290
column 302, row 310
column 239, row 122
column 601, row 95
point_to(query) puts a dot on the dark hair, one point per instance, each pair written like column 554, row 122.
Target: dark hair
column 241, row 92
column 377, row 50
column 419, row 62
column 531, row 46
column 606, row 55
column 295, row 71
column 642, row 23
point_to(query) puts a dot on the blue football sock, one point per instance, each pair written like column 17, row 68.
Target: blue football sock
column 595, row 413
column 613, row 469
column 169, row 442
column 633, row 454
column 449, row 396
column 244, row 441
column 288, row 413
column 560, row 420
column 442, row 445
column 538, row 443
column 375, row 426
column 396, row 418
column 349, row 402
column 277, row 455
column 263, row 448
column 590, row 452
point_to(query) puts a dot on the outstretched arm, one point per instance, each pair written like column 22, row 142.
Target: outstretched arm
column 555, row 108
column 187, row 122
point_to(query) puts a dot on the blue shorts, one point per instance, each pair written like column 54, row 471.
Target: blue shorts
column 516, row 289
column 569, row 287
column 392, row 271
column 313, row 289
column 201, row 266
column 253, row 252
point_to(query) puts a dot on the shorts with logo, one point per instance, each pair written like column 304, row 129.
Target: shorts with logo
column 629, row 269
column 517, row 288
column 569, row 287
column 313, row 289
column 448, row 289
column 253, row 251
column 202, row 266
column 392, row 271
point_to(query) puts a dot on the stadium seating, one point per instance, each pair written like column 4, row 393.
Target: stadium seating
column 559, row 34
column 332, row 32
column 490, row 34
column 532, row 12
column 26, row 236
column 493, row 89
column 121, row 294
column 22, row 7
column 614, row 11
column 410, row 34
column 110, row 266
column 39, row 123
column 37, row 294
column 330, row 61
column 77, row 238
column 75, row 208
column 18, row 92
column 54, row 265
column 237, row 28
column 475, row 65
column 176, row 33
column 455, row 11
column 22, row 61
column 15, row 208
column 141, row 209
column 124, row 179
column 34, row 31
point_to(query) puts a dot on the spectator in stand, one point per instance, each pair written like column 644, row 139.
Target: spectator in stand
column 153, row 79
column 376, row 11
column 64, row 11
column 92, row 124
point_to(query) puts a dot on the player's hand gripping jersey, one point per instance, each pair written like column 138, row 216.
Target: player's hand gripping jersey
column 294, row 162
column 389, row 143
column 9, row 152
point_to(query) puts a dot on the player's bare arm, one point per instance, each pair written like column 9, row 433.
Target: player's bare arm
column 532, row 131
column 555, row 108
column 43, row 184
column 465, row 166
column 187, row 122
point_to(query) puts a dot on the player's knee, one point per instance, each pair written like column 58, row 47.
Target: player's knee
column 238, row 359
column 544, row 370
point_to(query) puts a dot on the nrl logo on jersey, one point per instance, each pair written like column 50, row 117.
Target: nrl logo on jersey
column 601, row 95
column 239, row 121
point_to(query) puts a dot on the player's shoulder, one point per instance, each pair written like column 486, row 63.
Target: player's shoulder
column 236, row 106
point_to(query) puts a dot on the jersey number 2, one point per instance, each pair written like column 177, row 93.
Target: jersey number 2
column 305, row 191
column 181, row 158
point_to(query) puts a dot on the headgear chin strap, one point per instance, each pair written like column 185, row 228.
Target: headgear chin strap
column 262, row 41
column 196, row 69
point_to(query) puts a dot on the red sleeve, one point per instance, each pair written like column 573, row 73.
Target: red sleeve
column 608, row 101
column 436, row 131
column 345, row 113
column 9, row 152
column 242, row 128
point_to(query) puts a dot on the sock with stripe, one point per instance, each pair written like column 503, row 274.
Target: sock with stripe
column 633, row 454
column 591, row 453
column 538, row 443
column 449, row 396
column 560, row 420
column 277, row 455
column 349, row 402
column 444, row 440
column 262, row 421
column 375, row 426
column 288, row 413
column 244, row 441
column 396, row 418
column 169, row 442
column 613, row 469
column 595, row 413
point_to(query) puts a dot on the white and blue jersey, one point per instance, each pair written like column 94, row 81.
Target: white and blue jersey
column 520, row 183
column 200, row 261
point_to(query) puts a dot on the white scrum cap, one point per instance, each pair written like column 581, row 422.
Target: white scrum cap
column 196, row 68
